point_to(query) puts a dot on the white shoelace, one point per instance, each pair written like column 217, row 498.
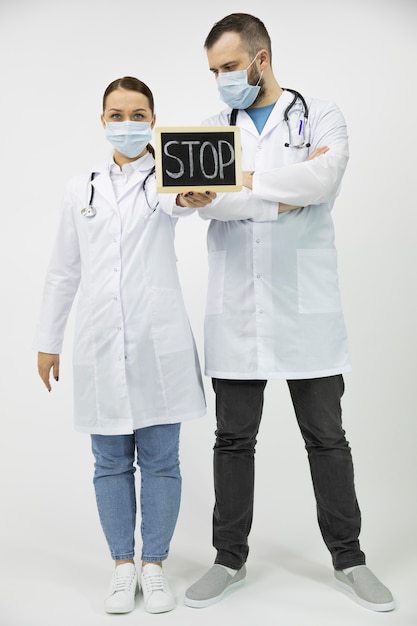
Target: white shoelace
column 155, row 582
column 123, row 583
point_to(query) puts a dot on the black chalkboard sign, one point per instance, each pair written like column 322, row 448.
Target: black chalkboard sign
column 200, row 158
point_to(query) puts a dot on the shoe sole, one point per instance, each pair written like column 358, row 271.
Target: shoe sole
column 119, row 611
column 387, row 606
column 157, row 610
column 201, row 604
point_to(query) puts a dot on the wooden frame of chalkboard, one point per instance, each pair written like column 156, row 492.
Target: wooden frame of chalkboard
column 198, row 158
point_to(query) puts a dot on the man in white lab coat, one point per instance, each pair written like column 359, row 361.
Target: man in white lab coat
column 273, row 307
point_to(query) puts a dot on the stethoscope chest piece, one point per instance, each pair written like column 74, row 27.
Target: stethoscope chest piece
column 90, row 212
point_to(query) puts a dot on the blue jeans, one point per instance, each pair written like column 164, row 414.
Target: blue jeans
column 317, row 407
column 156, row 450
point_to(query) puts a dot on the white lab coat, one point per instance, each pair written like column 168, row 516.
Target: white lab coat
column 135, row 362
column 273, row 303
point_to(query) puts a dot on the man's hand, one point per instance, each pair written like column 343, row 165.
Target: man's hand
column 317, row 152
column 282, row 208
column 46, row 363
column 247, row 176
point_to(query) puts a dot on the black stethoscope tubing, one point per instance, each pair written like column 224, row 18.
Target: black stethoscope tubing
column 91, row 211
column 297, row 96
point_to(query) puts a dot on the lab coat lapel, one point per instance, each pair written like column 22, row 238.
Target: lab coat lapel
column 277, row 114
column 145, row 164
column 244, row 121
column 276, row 117
column 103, row 186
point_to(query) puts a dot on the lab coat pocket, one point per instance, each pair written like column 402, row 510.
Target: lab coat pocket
column 169, row 324
column 217, row 267
column 318, row 288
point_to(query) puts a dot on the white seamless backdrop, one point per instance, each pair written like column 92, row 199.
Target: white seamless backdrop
column 56, row 58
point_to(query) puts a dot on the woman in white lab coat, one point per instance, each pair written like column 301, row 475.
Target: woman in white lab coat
column 136, row 370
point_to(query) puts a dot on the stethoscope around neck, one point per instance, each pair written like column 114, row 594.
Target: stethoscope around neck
column 91, row 211
column 302, row 123
column 301, row 126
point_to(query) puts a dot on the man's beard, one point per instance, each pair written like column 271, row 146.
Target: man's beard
column 253, row 79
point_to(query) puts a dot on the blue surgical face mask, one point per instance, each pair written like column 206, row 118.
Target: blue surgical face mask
column 129, row 138
column 235, row 90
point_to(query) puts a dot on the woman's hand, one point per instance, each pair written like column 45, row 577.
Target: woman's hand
column 46, row 363
column 195, row 199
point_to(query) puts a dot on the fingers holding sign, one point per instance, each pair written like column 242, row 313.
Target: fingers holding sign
column 195, row 199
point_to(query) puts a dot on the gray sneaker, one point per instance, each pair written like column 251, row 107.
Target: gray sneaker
column 366, row 589
column 213, row 586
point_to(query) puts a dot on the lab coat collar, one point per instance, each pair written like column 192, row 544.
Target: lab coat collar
column 144, row 164
column 275, row 118
column 103, row 184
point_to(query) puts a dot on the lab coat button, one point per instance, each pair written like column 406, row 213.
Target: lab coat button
column 258, row 275
column 258, row 241
column 261, row 311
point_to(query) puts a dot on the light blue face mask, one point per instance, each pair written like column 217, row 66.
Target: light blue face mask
column 235, row 90
column 129, row 138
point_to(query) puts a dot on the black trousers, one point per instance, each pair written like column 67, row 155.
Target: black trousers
column 317, row 407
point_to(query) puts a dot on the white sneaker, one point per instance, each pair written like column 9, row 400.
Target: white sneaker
column 156, row 593
column 123, row 588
